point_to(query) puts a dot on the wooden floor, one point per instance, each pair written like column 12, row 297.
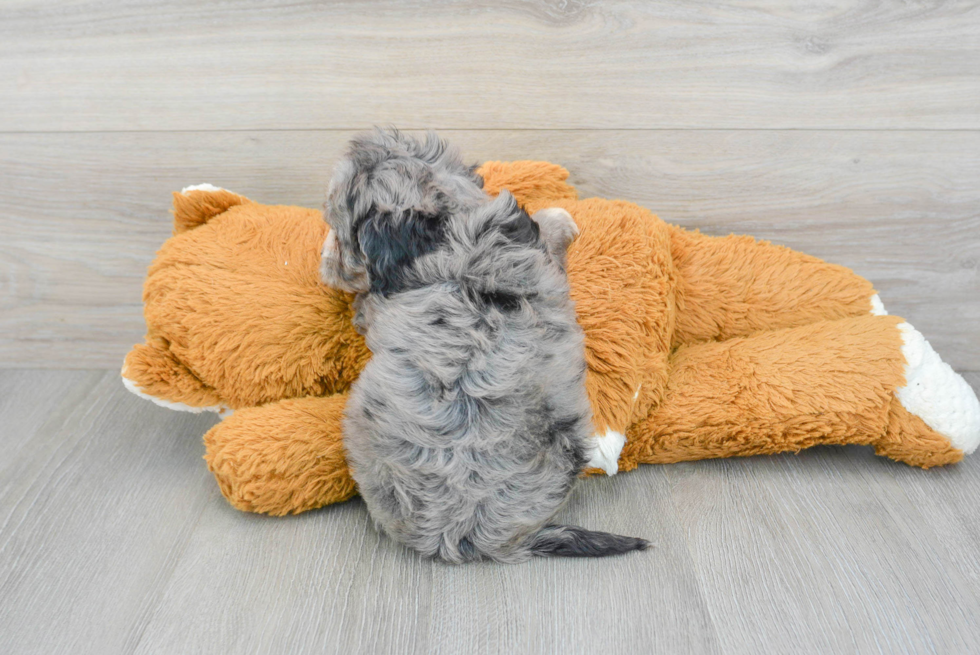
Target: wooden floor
column 850, row 130
column 114, row 539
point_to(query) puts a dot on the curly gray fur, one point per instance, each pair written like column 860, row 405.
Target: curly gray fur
column 469, row 426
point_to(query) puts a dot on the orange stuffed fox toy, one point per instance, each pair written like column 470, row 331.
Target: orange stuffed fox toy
column 697, row 346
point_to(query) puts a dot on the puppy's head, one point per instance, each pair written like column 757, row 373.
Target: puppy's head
column 389, row 202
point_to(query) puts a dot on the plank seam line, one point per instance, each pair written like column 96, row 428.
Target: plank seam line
column 926, row 130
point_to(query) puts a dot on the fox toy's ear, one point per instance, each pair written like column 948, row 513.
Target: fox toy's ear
column 196, row 205
column 390, row 243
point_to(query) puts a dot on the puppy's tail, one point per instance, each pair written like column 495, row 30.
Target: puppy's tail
column 571, row 541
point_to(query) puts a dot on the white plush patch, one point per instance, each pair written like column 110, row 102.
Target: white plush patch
column 201, row 187
column 877, row 307
column 935, row 393
column 605, row 452
column 223, row 411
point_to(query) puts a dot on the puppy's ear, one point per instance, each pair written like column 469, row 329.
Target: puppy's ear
column 392, row 241
column 521, row 229
column 511, row 221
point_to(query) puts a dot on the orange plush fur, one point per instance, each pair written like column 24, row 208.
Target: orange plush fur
column 697, row 346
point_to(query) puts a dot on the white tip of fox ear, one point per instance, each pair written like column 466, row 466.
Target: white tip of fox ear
column 878, row 307
column 201, row 187
column 605, row 451
column 935, row 393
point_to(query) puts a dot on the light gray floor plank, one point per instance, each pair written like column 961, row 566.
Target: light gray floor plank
column 824, row 550
column 837, row 550
column 127, row 537
column 84, row 213
column 320, row 582
column 641, row 603
column 99, row 495
column 480, row 64
column 326, row 582
column 114, row 539
column 947, row 499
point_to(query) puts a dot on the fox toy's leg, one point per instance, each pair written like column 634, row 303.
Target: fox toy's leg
column 735, row 286
column 727, row 287
column 282, row 458
column 832, row 382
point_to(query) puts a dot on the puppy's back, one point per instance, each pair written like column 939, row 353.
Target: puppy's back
column 467, row 429
column 453, row 427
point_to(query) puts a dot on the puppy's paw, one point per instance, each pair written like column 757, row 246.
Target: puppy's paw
column 361, row 313
column 557, row 226
column 330, row 260
column 331, row 249
column 605, row 451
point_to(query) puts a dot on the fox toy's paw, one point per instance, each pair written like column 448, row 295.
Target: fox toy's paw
column 557, row 225
column 558, row 230
column 933, row 391
column 606, row 450
column 938, row 395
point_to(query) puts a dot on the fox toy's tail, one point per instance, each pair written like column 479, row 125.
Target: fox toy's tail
column 571, row 541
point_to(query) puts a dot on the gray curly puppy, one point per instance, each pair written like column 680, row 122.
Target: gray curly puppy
column 470, row 424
